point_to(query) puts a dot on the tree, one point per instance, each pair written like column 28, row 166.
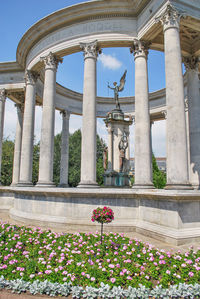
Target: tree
column 56, row 162
column 7, row 162
column 74, row 158
column 159, row 177
column 36, row 155
column 100, row 170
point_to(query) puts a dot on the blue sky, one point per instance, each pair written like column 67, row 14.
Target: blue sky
column 16, row 18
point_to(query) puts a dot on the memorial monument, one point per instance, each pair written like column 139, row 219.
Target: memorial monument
column 117, row 173
column 170, row 26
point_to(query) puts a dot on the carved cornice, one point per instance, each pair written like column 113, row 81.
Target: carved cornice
column 170, row 18
column 31, row 77
column 2, row 95
column 90, row 50
column 51, row 61
column 140, row 48
column 191, row 63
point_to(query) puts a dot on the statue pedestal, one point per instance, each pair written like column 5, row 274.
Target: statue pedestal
column 117, row 173
column 116, row 179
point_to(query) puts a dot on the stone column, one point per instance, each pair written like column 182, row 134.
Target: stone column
column 2, row 112
column 151, row 124
column 64, row 149
column 28, row 130
column 191, row 64
column 88, row 150
column 18, row 145
column 177, row 162
column 143, row 169
column 48, row 122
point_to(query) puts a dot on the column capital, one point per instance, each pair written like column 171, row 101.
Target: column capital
column 31, row 77
column 51, row 61
column 191, row 63
column 140, row 48
column 170, row 18
column 65, row 114
column 90, row 50
column 2, row 95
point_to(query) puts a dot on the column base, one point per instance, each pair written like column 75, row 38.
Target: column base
column 179, row 187
column 63, row 185
column 143, row 186
column 88, row 184
column 45, row 184
column 24, row 184
column 14, row 184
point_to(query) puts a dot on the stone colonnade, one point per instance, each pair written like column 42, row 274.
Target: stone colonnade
column 177, row 153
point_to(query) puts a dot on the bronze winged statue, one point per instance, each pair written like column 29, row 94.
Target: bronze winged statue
column 118, row 88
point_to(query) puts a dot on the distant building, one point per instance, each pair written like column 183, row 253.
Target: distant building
column 161, row 162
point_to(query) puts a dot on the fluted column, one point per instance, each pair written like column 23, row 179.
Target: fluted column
column 64, row 160
column 48, row 122
column 88, row 149
column 143, row 169
column 151, row 125
column 2, row 112
column 28, row 130
column 191, row 64
column 177, row 162
column 18, row 145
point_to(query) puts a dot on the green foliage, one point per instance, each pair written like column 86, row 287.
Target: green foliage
column 56, row 161
column 48, row 256
column 159, row 177
column 7, row 162
column 74, row 158
column 36, row 155
column 100, row 170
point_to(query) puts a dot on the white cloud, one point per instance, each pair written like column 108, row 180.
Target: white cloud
column 109, row 61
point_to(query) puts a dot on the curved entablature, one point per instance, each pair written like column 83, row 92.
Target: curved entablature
column 12, row 80
column 113, row 23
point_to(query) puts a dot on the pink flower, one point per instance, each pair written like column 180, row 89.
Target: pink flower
column 183, row 265
column 168, row 272
column 47, row 271
column 92, row 279
column 113, row 279
column 129, row 278
column 111, row 266
column 191, row 274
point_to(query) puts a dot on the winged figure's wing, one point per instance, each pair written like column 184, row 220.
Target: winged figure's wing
column 122, row 81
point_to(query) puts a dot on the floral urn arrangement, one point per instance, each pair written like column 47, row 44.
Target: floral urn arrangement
column 102, row 215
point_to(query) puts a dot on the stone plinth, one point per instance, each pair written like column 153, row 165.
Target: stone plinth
column 168, row 215
column 118, row 157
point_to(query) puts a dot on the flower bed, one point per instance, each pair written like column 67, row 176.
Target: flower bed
column 81, row 260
